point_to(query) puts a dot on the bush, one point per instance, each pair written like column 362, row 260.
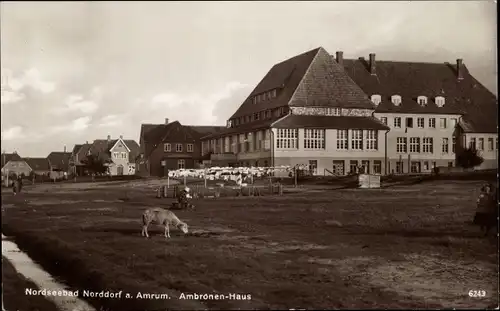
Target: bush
column 469, row 158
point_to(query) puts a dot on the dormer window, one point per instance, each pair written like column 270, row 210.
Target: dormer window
column 273, row 93
column 422, row 100
column 396, row 100
column 376, row 99
column 439, row 101
column 229, row 123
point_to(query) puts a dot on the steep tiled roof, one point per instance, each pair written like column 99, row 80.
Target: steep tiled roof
column 409, row 80
column 301, row 121
column 206, row 130
column 101, row 148
column 59, row 160
column 309, row 79
column 82, row 153
column 6, row 157
column 76, row 148
column 152, row 136
column 38, row 164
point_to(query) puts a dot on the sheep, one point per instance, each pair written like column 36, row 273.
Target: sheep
column 164, row 217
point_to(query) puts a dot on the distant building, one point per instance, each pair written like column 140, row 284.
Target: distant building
column 39, row 166
column 13, row 164
column 59, row 163
column 170, row 146
column 338, row 115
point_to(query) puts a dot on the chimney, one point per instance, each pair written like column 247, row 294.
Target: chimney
column 65, row 149
column 121, row 136
column 109, row 138
column 460, row 70
column 166, row 121
column 372, row 64
column 339, row 55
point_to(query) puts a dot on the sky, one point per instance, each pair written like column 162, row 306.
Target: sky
column 77, row 71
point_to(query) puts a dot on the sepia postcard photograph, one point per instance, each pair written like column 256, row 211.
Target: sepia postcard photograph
column 249, row 155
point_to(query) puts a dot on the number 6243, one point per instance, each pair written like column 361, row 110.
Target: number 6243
column 477, row 293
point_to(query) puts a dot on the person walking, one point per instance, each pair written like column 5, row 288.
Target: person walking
column 487, row 209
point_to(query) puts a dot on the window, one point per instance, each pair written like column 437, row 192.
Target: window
column 490, row 144
column 273, row 93
column 314, row 139
column 377, row 167
column 124, row 155
column 472, row 143
column 480, row 145
column 444, row 148
column 397, row 122
column 426, row 166
column 415, row 167
column 256, row 116
column 376, row 99
column 178, row 147
column 115, row 155
column 190, row 147
column 167, row 147
column 428, row 145
column 342, row 142
column 432, row 123
column 401, row 144
column 439, row 101
column 420, row 123
column 353, row 166
column 396, row 100
column 422, row 100
column 333, row 111
column 371, row 140
column 450, row 164
column 415, row 144
column 287, row 139
column 313, row 167
column 409, row 122
column 181, row 164
column 236, row 121
column 399, row 167
column 442, row 123
column 454, row 144
column 383, row 120
column 453, row 122
column 357, row 140
column 365, row 167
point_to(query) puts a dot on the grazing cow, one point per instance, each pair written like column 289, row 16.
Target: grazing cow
column 163, row 217
column 487, row 209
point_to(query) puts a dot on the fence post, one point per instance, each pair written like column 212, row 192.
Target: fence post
column 158, row 193
column 165, row 191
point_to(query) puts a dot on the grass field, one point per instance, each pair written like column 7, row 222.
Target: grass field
column 401, row 247
column 13, row 287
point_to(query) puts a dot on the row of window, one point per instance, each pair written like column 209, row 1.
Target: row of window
column 264, row 96
column 314, row 139
column 416, row 166
column 431, row 122
column 119, row 155
column 178, row 147
column 262, row 115
column 479, row 145
column 424, row 145
column 396, row 100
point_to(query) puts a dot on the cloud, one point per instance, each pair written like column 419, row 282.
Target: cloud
column 110, row 121
column 77, row 125
column 31, row 78
column 200, row 108
column 15, row 132
column 9, row 97
column 76, row 103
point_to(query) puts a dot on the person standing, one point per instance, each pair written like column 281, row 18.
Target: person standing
column 487, row 209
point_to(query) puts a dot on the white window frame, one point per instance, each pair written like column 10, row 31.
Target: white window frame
column 445, row 145
column 181, row 164
column 396, row 100
column 356, row 139
column 376, row 99
column 453, row 122
column 480, row 143
column 439, row 101
column 371, row 137
column 442, row 123
column 432, row 123
column 178, row 147
column 116, row 155
column 377, row 164
column 421, row 123
column 333, row 111
column 473, row 143
column 397, row 122
column 287, row 139
column 383, row 120
column 491, row 145
column 428, row 145
column 409, row 122
column 401, row 145
column 190, row 147
column 314, row 139
column 414, row 144
column 167, row 147
column 422, row 100
column 124, row 155
column 342, row 140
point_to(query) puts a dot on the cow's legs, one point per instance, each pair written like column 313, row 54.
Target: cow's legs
column 167, row 231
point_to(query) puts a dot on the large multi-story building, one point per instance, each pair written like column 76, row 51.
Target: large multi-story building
column 336, row 115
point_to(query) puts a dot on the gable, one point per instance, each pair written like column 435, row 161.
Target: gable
column 326, row 84
column 119, row 146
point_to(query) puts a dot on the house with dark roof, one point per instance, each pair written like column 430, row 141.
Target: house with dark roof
column 337, row 115
column 170, row 146
column 306, row 111
column 59, row 163
column 433, row 110
column 13, row 164
column 39, row 166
